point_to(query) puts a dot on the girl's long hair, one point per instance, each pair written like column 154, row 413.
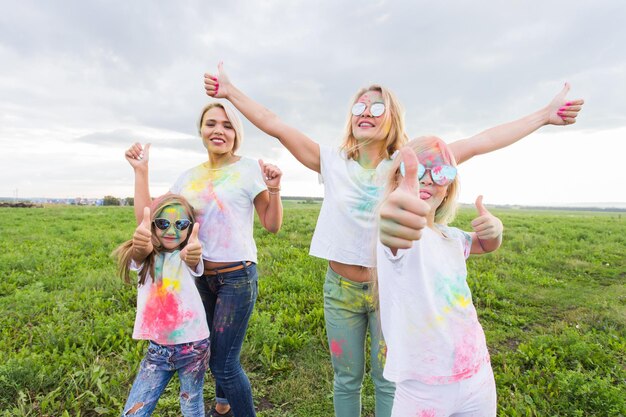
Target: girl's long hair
column 446, row 211
column 393, row 116
column 124, row 252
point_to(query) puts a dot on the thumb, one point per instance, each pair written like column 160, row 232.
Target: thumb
column 408, row 168
column 261, row 164
column 220, row 68
column 146, row 151
column 146, row 218
column 564, row 91
column 480, row 207
column 194, row 232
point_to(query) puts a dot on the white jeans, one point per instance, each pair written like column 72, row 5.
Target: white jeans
column 472, row 397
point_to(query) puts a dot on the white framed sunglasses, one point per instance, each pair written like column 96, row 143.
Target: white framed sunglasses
column 376, row 109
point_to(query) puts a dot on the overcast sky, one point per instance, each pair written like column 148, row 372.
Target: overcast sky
column 82, row 80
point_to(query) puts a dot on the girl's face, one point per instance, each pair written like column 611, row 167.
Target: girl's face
column 217, row 132
column 171, row 238
column 431, row 192
column 366, row 126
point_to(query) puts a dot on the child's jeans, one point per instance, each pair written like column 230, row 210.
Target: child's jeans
column 190, row 360
column 229, row 299
column 474, row 396
column 349, row 312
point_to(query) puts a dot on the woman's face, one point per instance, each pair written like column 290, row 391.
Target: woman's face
column 217, row 132
column 171, row 238
column 366, row 126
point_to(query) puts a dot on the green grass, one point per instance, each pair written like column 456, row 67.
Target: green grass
column 552, row 302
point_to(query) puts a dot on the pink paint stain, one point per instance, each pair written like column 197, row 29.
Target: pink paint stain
column 336, row 347
column 162, row 312
column 427, row 413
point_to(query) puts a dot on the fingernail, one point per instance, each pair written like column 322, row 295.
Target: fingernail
column 214, row 78
column 569, row 103
column 559, row 113
column 562, row 108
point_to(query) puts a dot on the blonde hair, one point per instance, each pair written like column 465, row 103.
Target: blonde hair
column 124, row 252
column 393, row 116
column 233, row 118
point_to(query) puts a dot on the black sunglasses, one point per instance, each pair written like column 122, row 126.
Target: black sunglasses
column 164, row 224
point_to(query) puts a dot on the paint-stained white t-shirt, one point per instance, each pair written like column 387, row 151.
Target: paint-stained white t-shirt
column 346, row 226
column 170, row 310
column 427, row 317
column 223, row 202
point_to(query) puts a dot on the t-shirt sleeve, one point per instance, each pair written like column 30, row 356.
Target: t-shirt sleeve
column 256, row 185
column 198, row 271
column 464, row 237
column 177, row 188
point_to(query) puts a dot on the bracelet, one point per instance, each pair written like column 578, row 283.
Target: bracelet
column 273, row 193
column 273, row 190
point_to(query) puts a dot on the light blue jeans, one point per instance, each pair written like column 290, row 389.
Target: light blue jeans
column 349, row 312
column 190, row 360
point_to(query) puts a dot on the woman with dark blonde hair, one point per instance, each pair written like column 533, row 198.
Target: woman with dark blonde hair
column 225, row 191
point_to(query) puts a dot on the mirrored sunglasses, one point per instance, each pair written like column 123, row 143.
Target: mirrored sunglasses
column 441, row 174
column 376, row 109
column 164, row 224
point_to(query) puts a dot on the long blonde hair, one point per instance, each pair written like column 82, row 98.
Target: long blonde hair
column 394, row 116
column 124, row 252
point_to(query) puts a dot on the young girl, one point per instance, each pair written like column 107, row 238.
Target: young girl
column 225, row 191
column 166, row 254
column 345, row 234
column 436, row 349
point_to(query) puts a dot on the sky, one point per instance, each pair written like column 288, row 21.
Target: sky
column 82, row 80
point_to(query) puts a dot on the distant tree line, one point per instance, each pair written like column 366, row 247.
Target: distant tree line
column 109, row 200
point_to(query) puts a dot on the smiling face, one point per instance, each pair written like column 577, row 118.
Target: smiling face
column 366, row 126
column 217, row 131
column 171, row 238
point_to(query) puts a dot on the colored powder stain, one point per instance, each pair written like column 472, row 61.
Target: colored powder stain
column 427, row 413
column 382, row 353
column 462, row 301
column 162, row 312
column 336, row 348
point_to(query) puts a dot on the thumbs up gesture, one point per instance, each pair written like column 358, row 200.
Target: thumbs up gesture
column 403, row 214
column 217, row 85
column 142, row 238
column 562, row 111
column 192, row 252
column 138, row 156
column 486, row 225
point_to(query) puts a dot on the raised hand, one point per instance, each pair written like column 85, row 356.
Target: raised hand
column 192, row 252
column 142, row 238
column 271, row 174
column 138, row 156
column 562, row 111
column 403, row 214
column 217, row 85
column 486, row 225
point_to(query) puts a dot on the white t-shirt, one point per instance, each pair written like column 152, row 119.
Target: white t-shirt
column 223, row 202
column 346, row 226
column 170, row 310
column 427, row 317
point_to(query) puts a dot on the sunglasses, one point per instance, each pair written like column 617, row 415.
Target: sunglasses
column 164, row 224
column 376, row 109
column 441, row 174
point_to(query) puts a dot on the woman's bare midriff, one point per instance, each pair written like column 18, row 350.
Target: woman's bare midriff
column 355, row 273
column 215, row 265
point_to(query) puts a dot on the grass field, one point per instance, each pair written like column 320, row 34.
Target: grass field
column 552, row 302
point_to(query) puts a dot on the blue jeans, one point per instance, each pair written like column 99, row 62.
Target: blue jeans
column 228, row 300
column 349, row 312
column 156, row 370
